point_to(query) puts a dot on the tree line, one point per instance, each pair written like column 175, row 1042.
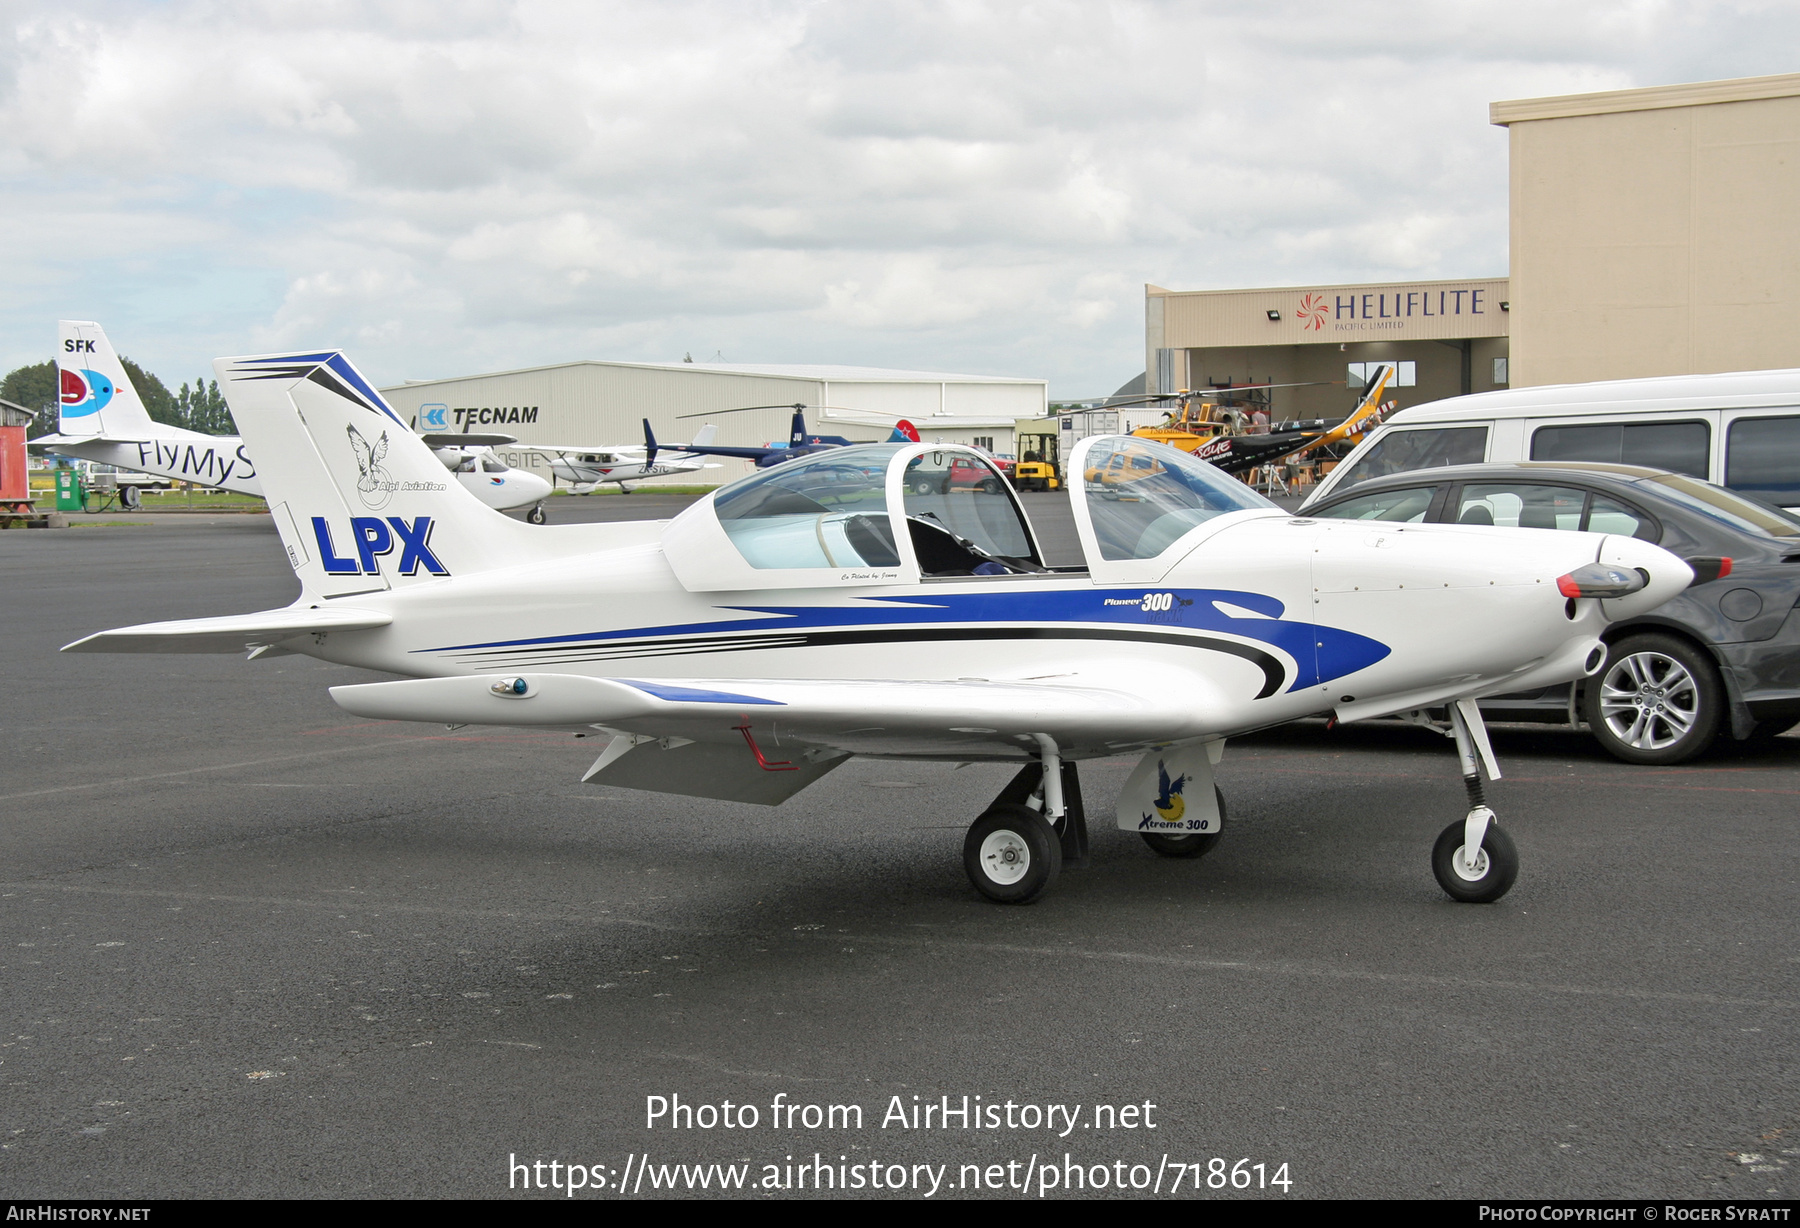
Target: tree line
column 199, row 408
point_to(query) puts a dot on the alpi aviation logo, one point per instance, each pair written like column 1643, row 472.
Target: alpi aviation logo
column 374, row 484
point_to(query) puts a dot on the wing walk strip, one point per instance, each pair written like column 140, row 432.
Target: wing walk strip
column 1417, row 980
column 1274, row 672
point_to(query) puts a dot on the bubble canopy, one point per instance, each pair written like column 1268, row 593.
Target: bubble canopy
column 827, row 510
column 865, row 514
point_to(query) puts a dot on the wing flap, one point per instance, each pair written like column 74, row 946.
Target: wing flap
column 230, row 632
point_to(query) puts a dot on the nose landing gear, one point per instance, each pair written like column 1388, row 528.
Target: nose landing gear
column 537, row 515
column 1474, row 861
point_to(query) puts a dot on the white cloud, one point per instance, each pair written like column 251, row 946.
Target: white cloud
column 955, row 185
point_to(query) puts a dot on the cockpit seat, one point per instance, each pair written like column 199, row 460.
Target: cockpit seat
column 939, row 553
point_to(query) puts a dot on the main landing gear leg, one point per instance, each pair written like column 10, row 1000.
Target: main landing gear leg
column 1031, row 830
column 1474, row 860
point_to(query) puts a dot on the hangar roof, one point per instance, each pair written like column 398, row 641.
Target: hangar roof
column 801, row 371
column 1649, row 98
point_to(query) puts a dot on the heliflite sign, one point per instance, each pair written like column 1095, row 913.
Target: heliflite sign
column 1314, row 315
column 1319, row 312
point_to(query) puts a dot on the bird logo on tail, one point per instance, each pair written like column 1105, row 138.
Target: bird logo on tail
column 374, row 485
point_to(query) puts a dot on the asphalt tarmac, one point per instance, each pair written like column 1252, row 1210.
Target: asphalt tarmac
column 255, row 947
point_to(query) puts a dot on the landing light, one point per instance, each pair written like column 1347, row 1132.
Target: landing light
column 1599, row 580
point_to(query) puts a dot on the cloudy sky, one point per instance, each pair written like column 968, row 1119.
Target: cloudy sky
column 443, row 187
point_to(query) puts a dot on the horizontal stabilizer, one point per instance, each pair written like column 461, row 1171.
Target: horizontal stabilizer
column 51, row 441
column 229, row 633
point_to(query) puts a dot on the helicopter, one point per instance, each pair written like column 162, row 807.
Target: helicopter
column 800, row 441
column 1223, row 435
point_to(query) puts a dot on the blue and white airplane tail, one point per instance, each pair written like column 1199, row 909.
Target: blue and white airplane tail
column 96, row 397
column 361, row 502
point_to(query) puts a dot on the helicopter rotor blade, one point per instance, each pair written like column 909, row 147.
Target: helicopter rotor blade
column 742, row 409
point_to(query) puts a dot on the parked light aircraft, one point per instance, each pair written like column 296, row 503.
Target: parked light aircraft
column 832, row 606
column 102, row 419
column 588, row 467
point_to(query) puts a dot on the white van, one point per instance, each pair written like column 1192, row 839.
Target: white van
column 1740, row 430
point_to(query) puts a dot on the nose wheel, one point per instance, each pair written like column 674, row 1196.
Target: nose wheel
column 1473, row 860
column 1481, row 879
column 537, row 515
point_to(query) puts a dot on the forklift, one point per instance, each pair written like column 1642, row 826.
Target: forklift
column 1038, row 467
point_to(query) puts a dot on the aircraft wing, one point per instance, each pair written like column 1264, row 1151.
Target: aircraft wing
column 443, row 439
column 941, row 719
column 229, row 633
column 617, row 450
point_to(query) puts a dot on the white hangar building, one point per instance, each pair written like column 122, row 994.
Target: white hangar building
column 592, row 404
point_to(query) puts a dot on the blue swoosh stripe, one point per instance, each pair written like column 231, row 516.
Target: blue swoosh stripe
column 1320, row 653
column 684, row 694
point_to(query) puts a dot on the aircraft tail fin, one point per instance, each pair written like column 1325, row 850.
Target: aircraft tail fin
column 904, row 432
column 96, row 396
column 708, row 432
column 1365, row 417
column 361, row 502
column 650, row 446
column 797, row 431
column 1376, row 384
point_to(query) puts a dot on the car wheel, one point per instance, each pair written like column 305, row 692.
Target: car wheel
column 1658, row 699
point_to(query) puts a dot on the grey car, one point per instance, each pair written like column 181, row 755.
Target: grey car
column 1721, row 659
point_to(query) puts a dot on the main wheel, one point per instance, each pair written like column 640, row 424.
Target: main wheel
column 1496, row 866
column 1190, row 846
column 1012, row 854
column 537, row 515
column 1658, row 699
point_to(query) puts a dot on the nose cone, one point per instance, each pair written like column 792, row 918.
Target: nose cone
column 527, row 487
column 1668, row 574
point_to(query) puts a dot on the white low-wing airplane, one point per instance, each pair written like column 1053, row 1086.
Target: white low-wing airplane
column 102, row 419
column 838, row 605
